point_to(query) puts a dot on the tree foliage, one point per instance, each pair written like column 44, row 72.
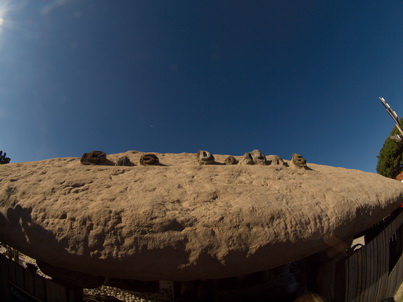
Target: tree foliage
column 3, row 158
column 390, row 156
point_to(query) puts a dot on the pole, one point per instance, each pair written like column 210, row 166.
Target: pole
column 393, row 114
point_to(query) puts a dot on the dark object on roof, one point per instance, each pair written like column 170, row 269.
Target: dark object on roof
column 149, row 159
column 124, row 161
column 93, row 158
column 3, row 158
column 274, row 160
column 255, row 157
column 258, row 157
column 205, row 158
column 230, row 160
column 247, row 159
column 299, row 161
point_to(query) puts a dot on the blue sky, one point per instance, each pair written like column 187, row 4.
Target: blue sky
column 178, row 76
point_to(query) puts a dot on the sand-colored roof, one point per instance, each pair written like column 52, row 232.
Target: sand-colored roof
column 181, row 221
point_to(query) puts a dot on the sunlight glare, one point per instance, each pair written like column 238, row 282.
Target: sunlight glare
column 3, row 12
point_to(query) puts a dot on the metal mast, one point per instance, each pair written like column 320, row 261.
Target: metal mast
column 393, row 114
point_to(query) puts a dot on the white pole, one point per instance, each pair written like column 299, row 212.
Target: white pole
column 394, row 116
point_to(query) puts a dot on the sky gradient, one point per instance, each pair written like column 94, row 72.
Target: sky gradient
column 179, row 76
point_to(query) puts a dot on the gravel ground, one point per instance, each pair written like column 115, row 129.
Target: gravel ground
column 117, row 293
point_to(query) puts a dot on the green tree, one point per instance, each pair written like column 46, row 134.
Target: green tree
column 390, row 156
column 3, row 158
